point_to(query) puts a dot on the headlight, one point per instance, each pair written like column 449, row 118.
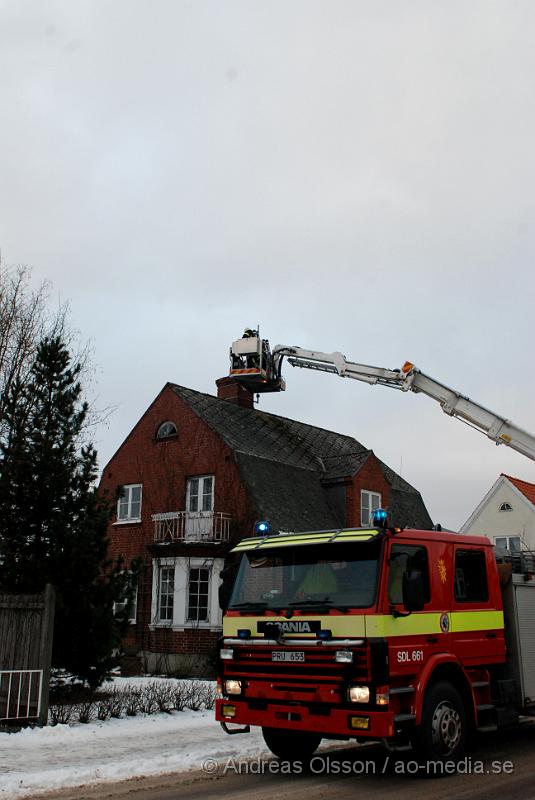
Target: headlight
column 359, row 694
column 226, row 654
column 343, row 656
column 232, row 687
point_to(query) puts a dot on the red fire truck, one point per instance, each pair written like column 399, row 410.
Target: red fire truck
column 376, row 634
column 416, row 638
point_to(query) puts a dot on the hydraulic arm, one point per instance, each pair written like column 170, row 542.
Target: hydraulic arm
column 257, row 366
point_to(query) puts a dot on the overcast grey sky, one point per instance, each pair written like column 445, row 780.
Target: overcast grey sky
column 354, row 176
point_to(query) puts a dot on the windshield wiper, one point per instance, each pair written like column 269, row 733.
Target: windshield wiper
column 251, row 606
column 322, row 602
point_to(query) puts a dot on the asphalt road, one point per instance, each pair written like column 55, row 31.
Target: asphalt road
column 500, row 767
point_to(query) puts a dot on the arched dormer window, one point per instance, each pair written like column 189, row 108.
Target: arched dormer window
column 506, row 507
column 166, row 430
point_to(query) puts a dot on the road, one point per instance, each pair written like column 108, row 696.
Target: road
column 507, row 760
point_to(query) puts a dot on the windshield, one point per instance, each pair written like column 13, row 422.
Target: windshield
column 331, row 576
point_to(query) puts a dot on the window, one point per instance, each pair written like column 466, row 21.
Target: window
column 200, row 494
column 471, row 576
column 369, row 501
column 119, row 607
column 166, row 594
column 406, row 558
column 506, row 507
column 198, row 594
column 129, row 503
column 510, row 544
column 166, row 430
column 185, row 592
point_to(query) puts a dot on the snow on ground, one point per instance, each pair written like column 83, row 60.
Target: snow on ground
column 41, row 759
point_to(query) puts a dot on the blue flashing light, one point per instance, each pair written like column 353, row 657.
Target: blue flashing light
column 380, row 518
column 263, row 527
column 325, row 633
column 244, row 633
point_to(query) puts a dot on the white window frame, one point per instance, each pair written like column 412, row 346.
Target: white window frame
column 182, row 566
column 200, row 494
column 127, row 490
column 508, row 537
column 371, row 496
column 171, row 568
column 188, row 619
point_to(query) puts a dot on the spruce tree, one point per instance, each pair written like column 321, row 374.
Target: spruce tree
column 52, row 520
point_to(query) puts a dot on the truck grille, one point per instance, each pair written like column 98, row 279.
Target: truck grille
column 319, row 665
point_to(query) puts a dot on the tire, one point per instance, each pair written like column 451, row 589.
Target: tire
column 291, row 745
column 443, row 730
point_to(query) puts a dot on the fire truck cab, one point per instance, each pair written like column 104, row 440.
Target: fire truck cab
column 383, row 634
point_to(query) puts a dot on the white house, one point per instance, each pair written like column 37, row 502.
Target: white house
column 506, row 515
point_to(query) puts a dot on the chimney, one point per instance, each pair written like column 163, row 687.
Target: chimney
column 234, row 392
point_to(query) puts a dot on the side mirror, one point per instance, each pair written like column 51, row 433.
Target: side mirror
column 413, row 591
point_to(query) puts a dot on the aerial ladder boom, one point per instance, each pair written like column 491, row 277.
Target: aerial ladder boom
column 264, row 374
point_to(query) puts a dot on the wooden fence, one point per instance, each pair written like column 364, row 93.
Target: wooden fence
column 26, row 630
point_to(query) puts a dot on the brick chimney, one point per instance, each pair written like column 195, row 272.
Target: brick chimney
column 234, row 392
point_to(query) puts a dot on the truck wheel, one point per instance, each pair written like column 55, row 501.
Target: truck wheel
column 442, row 732
column 291, row 745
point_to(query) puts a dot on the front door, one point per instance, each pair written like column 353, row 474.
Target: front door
column 200, row 508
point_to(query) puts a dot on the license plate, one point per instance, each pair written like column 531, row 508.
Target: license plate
column 284, row 655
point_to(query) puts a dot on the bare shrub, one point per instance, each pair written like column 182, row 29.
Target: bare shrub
column 208, row 696
column 194, row 696
column 164, row 696
column 132, row 701
column 86, row 711
column 149, row 702
column 103, row 708
column 60, row 714
column 116, row 702
column 178, row 697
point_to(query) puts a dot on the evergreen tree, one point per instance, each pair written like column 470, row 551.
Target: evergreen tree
column 52, row 520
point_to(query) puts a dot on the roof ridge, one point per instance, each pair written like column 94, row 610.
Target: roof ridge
column 270, row 414
column 517, row 480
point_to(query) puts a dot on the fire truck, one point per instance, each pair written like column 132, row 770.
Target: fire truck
column 415, row 638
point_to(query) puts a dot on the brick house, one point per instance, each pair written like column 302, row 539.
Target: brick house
column 197, row 472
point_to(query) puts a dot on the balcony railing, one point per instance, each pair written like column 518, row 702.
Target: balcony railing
column 184, row 526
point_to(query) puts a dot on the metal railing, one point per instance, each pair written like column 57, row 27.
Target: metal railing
column 20, row 693
column 184, row 526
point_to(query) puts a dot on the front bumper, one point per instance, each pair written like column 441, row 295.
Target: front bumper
column 330, row 721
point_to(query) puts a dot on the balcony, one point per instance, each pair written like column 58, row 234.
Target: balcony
column 185, row 526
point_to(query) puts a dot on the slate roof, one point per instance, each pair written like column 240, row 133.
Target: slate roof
column 280, row 439
column 288, row 465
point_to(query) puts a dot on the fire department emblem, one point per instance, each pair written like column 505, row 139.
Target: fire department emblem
column 442, row 571
column 444, row 623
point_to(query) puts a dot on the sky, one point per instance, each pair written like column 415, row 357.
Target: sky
column 352, row 176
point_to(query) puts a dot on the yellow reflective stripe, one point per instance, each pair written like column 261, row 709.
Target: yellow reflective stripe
column 378, row 625
column 341, row 627
column 385, row 625
column 475, row 621
column 300, row 539
column 248, row 544
column 354, row 538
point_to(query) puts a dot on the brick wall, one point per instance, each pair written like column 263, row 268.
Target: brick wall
column 163, row 468
column 371, row 478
